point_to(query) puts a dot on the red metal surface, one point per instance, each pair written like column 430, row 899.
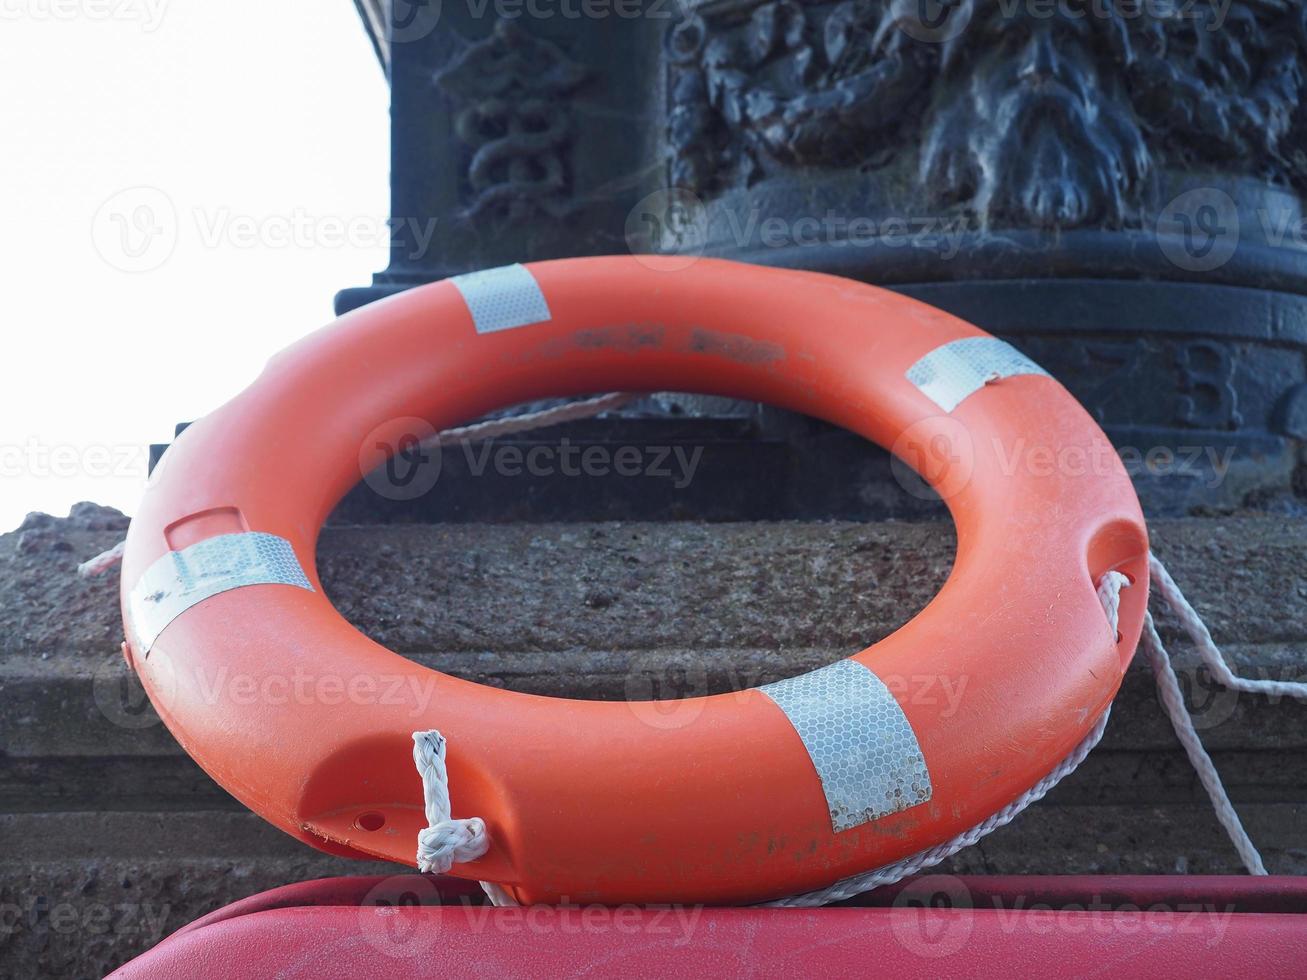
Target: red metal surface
column 410, row 926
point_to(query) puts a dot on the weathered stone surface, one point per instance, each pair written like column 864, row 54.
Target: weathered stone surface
column 615, row 611
column 99, row 808
column 83, row 892
column 645, row 586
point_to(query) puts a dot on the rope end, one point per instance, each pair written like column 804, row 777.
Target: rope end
column 102, row 562
column 431, row 742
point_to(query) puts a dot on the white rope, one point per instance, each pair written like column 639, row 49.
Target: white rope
column 1170, row 593
column 1109, row 594
column 1168, row 691
column 102, row 562
column 528, row 421
column 498, row 895
column 445, row 841
column 477, row 432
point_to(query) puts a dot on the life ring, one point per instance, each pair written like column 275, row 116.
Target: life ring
column 767, row 792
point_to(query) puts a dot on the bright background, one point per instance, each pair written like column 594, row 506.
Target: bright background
column 184, row 184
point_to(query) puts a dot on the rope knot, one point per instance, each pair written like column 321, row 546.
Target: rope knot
column 451, row 842
column 445, row 841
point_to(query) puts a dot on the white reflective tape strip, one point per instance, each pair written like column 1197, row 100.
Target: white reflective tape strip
column 180, row 579
column 948, row 374
column 503, row 298
column 859, row 740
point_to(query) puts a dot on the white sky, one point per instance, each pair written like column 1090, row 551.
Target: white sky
column 184, row 184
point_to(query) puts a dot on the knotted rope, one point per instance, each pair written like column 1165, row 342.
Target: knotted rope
column 445, row 841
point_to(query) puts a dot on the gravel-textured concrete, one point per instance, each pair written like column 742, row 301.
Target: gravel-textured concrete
column 109, row 834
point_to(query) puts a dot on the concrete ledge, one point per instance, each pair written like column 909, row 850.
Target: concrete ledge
column 100, row 808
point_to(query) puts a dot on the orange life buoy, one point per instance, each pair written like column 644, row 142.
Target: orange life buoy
column 750, row 795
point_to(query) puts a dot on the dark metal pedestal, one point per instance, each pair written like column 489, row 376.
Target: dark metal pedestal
column 1114, row 188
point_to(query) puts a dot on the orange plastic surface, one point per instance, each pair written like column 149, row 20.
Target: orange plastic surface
column 590, row 801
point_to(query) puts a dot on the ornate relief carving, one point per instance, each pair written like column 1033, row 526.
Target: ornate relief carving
column 516, row 120
column 1029, row 113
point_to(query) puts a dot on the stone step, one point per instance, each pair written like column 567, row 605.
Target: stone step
column 566, row 587
column 101, row 814
column 95, row 706
column 643, row 610
column 82, row 892
column 174, row 783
